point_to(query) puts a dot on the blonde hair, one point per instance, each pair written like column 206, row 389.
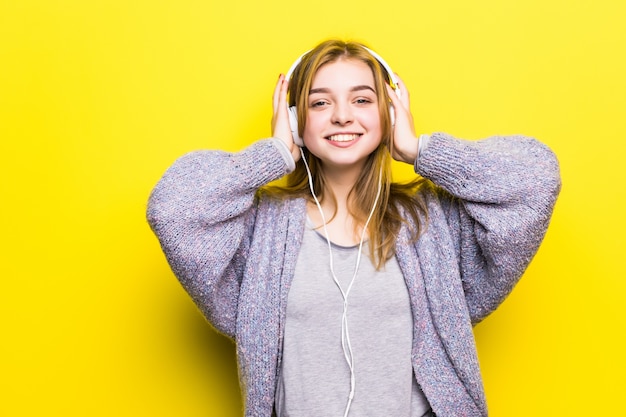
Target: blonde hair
column 387, row 217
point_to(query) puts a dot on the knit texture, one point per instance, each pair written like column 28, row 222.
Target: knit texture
column 234, row 251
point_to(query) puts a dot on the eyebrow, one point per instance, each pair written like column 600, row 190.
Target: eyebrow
column 355, row 88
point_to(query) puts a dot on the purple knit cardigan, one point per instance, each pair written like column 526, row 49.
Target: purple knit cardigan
column 489, row 205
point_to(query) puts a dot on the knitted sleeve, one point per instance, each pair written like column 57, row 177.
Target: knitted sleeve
column 202, row 211
column 498, row 195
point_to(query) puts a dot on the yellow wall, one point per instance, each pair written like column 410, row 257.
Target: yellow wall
column 97, row 98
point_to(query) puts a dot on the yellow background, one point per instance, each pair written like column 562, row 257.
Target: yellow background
column 97, row 98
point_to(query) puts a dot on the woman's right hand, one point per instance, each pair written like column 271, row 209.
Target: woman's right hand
column 280, row 117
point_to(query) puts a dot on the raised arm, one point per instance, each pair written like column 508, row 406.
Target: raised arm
column 203, row 212
column 498, row 195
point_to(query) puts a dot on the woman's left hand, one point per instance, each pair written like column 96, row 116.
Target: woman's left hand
column 405, row 142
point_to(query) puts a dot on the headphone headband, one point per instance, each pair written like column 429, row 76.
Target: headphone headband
column 381, row 61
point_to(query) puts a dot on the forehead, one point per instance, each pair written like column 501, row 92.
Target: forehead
column 343, row 73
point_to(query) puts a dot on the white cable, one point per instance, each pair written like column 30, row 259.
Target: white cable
column 345, row 334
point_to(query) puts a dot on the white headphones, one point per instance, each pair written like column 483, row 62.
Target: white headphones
column 345, row 334
column 293, row 113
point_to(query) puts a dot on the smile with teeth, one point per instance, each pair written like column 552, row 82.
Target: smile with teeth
column 343, row 137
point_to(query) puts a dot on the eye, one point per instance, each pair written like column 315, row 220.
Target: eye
column 318, row 103
column 364, row 101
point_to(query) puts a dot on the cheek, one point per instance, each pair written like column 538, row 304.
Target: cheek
column 373, row 121
column 313, row 125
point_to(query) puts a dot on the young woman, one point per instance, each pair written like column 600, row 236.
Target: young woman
column 346, row 293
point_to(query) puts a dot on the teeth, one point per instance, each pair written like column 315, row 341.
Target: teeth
column 343, row 138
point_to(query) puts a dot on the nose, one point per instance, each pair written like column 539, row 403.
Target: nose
column 342, row 114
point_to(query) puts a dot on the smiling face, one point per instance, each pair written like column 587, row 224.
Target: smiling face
column 343, row 123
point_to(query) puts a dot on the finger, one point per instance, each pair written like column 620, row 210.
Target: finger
column 280, row 118
column 277, row 89
column 395, row 100
column 404, row 96
column 282, row 97
column 403, row 114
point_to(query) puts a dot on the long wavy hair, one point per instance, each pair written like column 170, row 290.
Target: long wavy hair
column 396, row 199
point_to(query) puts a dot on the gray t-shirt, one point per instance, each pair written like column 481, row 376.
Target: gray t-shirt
column 315, row 378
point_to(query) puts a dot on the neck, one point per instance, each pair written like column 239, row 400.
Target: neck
column 342, row 228
column 340, row 181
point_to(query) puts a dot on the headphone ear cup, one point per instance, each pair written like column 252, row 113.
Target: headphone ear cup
column 293, row 123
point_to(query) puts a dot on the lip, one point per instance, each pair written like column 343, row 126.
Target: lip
column 342, row 137
column 344, row 141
